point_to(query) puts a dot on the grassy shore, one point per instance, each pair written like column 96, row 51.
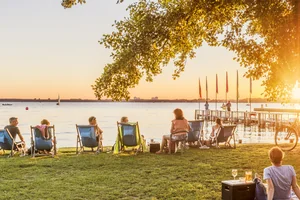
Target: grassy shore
column 195, row 175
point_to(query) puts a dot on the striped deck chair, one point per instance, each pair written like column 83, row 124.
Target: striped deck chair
column 7, row 142
column 179, row 140
column 194, row 135
column 224, row 135
column 86, row 137
column 129, row 138
column 39, row 144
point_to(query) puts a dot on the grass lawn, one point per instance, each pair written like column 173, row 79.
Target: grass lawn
column 195, row 175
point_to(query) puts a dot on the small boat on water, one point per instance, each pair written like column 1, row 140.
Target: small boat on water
column 6, row 104
column 58, row 100
column 248, row 104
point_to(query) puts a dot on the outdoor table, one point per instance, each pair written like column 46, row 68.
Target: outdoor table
column 238, row 190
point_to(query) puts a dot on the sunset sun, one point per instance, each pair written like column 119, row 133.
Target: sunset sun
column 296, row 91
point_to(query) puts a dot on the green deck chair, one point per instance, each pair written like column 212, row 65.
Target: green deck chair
column 129, row 138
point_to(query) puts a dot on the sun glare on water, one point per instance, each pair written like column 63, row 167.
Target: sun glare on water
column 296, row 91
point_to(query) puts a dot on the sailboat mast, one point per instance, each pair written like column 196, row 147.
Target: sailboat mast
column 58, row 100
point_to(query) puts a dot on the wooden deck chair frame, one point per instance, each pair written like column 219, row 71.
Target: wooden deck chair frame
column 122, row 146
column 201, row 131
column 179, row 143
column 14, row 144
column 32, row 139
column 79, row 145
column 227, row 142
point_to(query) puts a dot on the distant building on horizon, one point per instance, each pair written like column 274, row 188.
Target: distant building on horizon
column 154, row 98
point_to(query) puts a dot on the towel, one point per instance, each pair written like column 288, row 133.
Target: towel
column 44, row 130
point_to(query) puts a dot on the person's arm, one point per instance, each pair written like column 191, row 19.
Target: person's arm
column 295, row 187
column 172, row 127
column 270, row 189
column 99, row 131
column 189, row 127
column 20, row 135
column 212, row 134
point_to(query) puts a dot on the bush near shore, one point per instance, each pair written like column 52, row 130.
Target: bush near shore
column 197, row 174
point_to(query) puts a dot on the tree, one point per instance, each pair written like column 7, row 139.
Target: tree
column 264, row 34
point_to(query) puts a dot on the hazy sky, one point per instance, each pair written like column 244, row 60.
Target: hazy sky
column 47, row 50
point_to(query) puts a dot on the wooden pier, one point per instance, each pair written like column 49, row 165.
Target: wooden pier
column 261, row 117
column 232, row 117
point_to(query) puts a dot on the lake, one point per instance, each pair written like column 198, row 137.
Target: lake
column 154, row 118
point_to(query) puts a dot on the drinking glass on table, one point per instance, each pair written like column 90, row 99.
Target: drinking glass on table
column 248, row 176
column 234, row 173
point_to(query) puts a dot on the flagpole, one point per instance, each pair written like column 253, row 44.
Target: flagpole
column 237, row 92
column 217, row 90
column 226, row 86
column 250, row 93
column 200, row 96
column 206, row 90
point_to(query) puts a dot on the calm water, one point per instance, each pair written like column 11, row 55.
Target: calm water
column 154, row 118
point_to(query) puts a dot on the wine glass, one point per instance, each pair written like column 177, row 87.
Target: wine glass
column 234, row 173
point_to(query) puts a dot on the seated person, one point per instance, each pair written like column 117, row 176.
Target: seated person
column 43, row 129
column 280, row 178
column 45, row 133
column 14, row 131
column 124, row 119
column 93, row 121
column 179, row 126
column 212, row 136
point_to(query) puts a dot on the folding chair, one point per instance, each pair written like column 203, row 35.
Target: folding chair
column 7, row 142
column 194, row 135
column 129, row 138
column 39, row 144
column 225, row 134
column 179, row 140
column 86, row 137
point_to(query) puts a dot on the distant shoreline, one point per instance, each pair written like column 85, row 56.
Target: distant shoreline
column 257, row 100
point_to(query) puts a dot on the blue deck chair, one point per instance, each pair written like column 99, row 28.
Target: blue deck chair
column 39, row 144
column 194, row 135
column 86, row 137
column 225, row 134
column 7, row 142
column 129, row 138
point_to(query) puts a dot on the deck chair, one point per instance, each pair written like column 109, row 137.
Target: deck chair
column 7, row 142
column 129, row 138
column 39, row 144
column 224, row 135
column 180, row 141
column 194, row 135
column 86, row 137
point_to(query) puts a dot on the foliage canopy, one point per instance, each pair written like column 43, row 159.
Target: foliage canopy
column 264, row 34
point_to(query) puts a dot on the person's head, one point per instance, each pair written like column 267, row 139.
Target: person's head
column 178, row 113
column 13, row 121
column 124, row 119
column 45, row 122
column 276, row 155
column 206, row 102
column 218, row 121
column 92, row 120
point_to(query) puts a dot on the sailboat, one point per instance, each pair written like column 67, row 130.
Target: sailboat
column 248, row 104
column 58, row 100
